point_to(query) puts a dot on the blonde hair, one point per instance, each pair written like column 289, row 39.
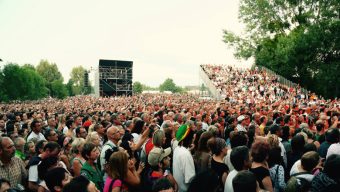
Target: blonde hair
column 90, row 137
column 76, row 144
column 158, row 137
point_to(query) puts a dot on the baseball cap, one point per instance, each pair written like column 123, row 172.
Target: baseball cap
column 241, row 118
column 157, row 154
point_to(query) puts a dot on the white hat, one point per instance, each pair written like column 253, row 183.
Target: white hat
column 241, row 118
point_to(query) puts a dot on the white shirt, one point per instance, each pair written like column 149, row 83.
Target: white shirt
column 183, row 168
column 33, row 135
column 106, row 146
column 205, row 126
column 228, row 186
column 333, row 149
column 228, row 162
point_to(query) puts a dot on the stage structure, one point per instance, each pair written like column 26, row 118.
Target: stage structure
column 113, row 78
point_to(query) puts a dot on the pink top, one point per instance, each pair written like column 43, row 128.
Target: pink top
column 117, row 183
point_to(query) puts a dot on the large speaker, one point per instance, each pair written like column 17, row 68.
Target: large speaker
column 115, row 78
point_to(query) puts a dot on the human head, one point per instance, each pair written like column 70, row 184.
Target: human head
column 259, row 151
column 158, row 156
column 245, row 181
column 332, row 167
column 239, row 158
column 162, row 185
column 238, row 139
column 332, row 135
column 113, row 134
column 217, row 146
column 205, row 181
column 77, row 145
column 57, row 178
column 80, row 184
column 19, row 143
column 158, row 138
column 90, row 151
column 51, row 135
column 81, row 132
column 310, row 160
column 94, row 138
column 51, row 149
column 118, row 165
column 7, row 148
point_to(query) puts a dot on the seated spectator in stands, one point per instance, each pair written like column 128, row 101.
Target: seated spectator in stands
column 80, row 184
column 329, row 178
column 332, row 136
column 245, row 181
column 259, row 153
column 206, row 181
column 57, row 178
column 240, row 159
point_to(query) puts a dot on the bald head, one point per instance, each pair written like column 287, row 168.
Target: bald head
column 113, row 134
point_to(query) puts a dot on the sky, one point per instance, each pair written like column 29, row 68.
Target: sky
column 164, row 39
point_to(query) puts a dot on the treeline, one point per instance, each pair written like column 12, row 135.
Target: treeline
column 299, row 40
column 31, row 83
column 167, row 85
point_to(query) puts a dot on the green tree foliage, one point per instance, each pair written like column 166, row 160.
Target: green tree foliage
column 169, row 85
column 298, row 39
column 77, row 80
column 137, row 87
column 21, row 83
column 50, row 73
column 59, row 90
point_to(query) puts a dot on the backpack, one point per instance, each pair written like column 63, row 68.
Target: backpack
column 298, row 184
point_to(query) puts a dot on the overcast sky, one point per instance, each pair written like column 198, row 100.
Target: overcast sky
column 164, row 39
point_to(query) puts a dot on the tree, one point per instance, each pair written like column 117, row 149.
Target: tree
column 137, row 87
column 50, row 73
column 297, row 39
column 77, row 78
column 59, row 90
column 169, row 85
column 21, row 83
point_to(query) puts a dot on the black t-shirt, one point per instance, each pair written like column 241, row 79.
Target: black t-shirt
column 260, row 173
column 220, row 169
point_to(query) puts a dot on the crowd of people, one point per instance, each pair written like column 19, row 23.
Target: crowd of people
column 262, row 137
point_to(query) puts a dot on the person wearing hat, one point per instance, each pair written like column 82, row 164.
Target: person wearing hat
column 159, row 161
column 241, row 123
column 183, row 163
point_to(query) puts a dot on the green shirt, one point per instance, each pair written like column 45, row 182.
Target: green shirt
column 20, row 155
column 94, row 175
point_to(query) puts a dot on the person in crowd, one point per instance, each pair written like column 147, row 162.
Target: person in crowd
column 329, row 178
column 297, row 143
column 159, row 162
column 259, row 153
column 276, row 168
column 218, row 148
column 90, row 168
column 56, row 179
column 81, row 132
column 303, row 168
column 45, row 165
column 51, row 135
column 205, row 181
column 36, row 131
column 240, row 159
column 202, row 154
column 162, row 185
column 94, row 138
column 332, row 136
column 78, row 161
column 245, row 181
column 80, row 184
column 11, row 167
column 237, row 139
column 113, row 136
column 183, row 163
column 19, row 144
column 51, row 149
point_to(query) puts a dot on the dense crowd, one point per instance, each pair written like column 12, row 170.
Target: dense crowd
column 262, row 137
